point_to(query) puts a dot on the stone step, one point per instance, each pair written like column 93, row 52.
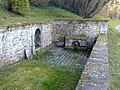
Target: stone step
column 70, row 59
column 64, row 57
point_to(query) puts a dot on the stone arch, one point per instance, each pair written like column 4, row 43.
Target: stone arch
column 75, row 45
column 37, row 38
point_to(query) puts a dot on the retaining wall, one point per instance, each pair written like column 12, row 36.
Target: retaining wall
column 96, row 72
column 15, row 41
column 91, row 28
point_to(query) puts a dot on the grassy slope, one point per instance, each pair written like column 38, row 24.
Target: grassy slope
column 35, row 75
column 114, row 54
column 37, row 15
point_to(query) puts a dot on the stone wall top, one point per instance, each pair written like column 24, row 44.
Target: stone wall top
column 22, row 26
column 96, row 72
column 81, row 20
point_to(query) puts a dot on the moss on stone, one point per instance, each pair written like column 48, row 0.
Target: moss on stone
column 81, row 37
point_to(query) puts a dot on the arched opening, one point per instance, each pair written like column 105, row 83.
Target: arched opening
column 37, row 38
column 75, row 45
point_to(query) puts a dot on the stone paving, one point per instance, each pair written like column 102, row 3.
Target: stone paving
column 69, row 57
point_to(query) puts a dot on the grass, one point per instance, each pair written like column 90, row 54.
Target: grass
column 38, row 15
column 114, row 54
column 36, row 75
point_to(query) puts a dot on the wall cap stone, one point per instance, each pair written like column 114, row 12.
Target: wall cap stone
column 79, row 20
column 96, row 72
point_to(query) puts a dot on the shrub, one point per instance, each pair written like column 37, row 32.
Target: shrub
column 19, row 6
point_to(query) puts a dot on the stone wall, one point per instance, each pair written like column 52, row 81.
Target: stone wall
column 96, row 72
column 77, row 27
column 90, row 28
column 69, row 42
column 15, row 41
column 19, row 41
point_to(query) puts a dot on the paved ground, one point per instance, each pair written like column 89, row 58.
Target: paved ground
column 58, row 55
column 118, row 28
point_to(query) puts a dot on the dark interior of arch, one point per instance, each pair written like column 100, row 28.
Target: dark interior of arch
column 37, row 38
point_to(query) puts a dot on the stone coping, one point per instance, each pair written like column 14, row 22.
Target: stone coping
column 25, row 24
column 44, row 22
column 96, row 72
column 79, row 20
column 79, row 37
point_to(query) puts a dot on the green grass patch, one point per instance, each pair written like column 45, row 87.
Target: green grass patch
column 114, row 54
column 36, row 75
column 38, row 15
